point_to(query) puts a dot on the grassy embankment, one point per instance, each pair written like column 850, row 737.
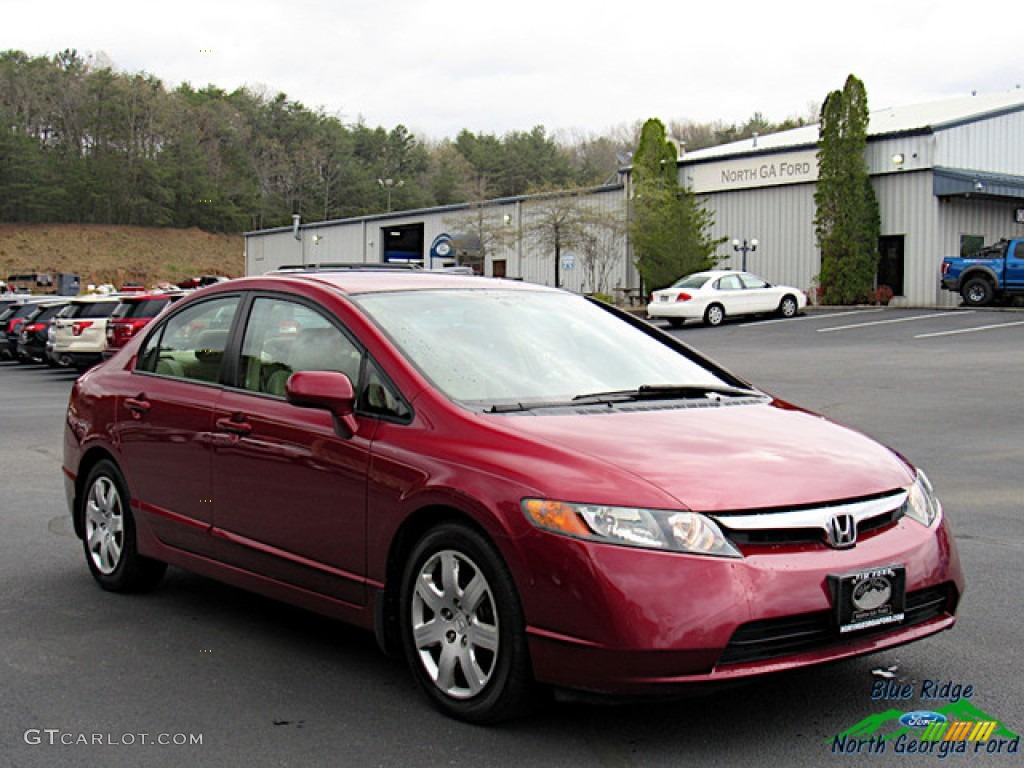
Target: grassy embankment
column 108, row 254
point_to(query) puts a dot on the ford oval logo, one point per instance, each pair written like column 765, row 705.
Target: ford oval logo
column 921, row 719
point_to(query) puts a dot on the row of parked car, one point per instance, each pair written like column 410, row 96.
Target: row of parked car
column 77, row 332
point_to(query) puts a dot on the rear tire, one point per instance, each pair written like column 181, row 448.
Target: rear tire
column 462, row 627
column 109, row 534
column 977, row 292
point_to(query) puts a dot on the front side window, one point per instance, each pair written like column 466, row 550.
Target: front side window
column 284, row 336
column 190, row 344
column 751, row 281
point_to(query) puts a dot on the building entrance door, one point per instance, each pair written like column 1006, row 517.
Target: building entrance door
column 890, row 262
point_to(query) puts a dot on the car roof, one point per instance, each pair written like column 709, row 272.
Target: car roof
column 92, row 298
column 150, row 295
column 379, row 281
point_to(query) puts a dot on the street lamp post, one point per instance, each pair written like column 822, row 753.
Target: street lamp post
column 388, row 185
column 745, row 248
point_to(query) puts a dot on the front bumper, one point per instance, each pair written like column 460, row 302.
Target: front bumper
column 625, row 621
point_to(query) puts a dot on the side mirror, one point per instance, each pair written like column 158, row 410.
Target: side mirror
column 327, row 390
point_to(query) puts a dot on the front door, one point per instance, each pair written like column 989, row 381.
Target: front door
column 1015, row 265
column 289, row 491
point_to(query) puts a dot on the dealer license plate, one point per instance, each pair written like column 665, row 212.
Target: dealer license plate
column 869, row 598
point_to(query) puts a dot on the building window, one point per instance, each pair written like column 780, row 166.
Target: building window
column 970, row 245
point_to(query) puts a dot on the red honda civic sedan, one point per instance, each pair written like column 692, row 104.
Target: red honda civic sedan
column 511, row 485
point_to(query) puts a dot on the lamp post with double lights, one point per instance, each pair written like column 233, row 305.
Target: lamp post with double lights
column 388, row 185
column 744, row 247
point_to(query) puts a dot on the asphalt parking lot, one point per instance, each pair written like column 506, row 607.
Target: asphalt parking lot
column 202, row 674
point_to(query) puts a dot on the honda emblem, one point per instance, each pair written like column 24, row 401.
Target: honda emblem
column 842, row 531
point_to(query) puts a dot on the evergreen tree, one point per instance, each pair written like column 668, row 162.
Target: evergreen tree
column 846, row 222
column 669, row 226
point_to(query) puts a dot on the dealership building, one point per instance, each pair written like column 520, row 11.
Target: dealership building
column 948, row 175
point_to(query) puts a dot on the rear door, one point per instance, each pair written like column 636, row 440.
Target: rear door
column 732, row 295
column 166, row 422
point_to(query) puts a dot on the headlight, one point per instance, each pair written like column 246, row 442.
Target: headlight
column 921, row 502
column 671, row 530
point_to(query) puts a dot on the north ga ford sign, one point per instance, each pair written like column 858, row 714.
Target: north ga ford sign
column 748, row 172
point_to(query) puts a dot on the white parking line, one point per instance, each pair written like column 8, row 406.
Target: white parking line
column 813, row 316
column 892, row 322
column 847, row 313
column 968, row 330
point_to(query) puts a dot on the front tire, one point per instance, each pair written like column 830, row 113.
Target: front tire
column 463, row 628
column 788, row 307
column 109, row 534
column 714, row 315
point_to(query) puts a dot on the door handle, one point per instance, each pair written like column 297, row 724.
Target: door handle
column 235, row 424
column 137, row 405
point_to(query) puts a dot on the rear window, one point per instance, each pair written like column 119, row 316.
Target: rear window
column 145, row 308
column 50, row 312
column 91, row 309
column 23, row 310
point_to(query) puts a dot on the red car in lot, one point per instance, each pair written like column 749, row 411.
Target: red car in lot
column 133, row 313
column 509, row 484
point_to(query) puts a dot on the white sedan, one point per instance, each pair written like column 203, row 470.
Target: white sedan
column 713, row 295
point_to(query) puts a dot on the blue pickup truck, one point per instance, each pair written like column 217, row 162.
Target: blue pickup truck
column 996, row 272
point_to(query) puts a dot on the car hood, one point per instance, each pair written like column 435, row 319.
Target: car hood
column 718, row 458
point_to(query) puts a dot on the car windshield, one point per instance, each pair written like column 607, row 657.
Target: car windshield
column 692, row 281
column 499, row 347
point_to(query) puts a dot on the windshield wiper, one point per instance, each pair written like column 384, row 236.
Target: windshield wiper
column 645, row 392
column 667, row 392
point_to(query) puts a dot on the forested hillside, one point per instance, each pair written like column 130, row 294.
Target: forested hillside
column 84, row 143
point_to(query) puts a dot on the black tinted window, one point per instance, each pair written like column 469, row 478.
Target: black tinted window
column 91, row 309
column 145, row 308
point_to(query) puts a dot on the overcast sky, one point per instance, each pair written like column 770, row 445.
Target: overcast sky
column 437, row 66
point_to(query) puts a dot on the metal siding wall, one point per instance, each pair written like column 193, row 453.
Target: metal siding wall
column 908, row 207
column 987, row 145
column 359, row 241
column 918, row 154
column 537, row 266
column 276, row 248
column 781, row 219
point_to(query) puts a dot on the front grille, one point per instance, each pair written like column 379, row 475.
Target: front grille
column 809, row 525
column 789, row 635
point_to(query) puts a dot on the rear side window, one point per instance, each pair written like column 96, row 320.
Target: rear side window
column 190, row 344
